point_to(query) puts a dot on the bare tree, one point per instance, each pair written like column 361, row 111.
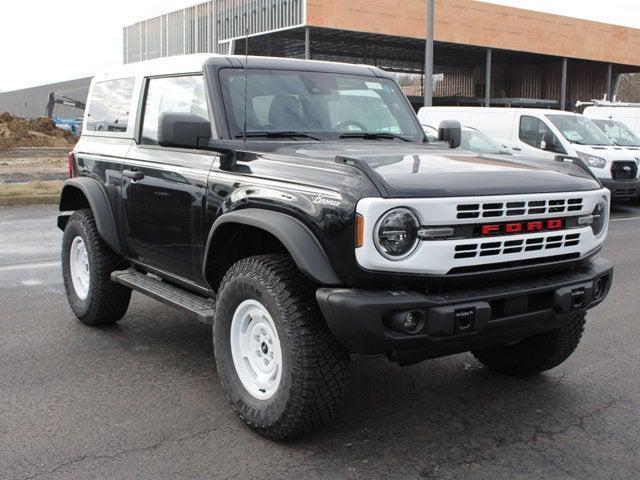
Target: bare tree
column 629, row 87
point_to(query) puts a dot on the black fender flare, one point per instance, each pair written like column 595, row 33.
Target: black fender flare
column 300, row 242
column 99, row 203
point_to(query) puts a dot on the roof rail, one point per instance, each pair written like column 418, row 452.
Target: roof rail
column 606, row 103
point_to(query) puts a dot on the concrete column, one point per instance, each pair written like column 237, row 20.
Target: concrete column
column 487, row 80
column 428, row 56
column 563, row 85
column 609, row 84
column 307, row 44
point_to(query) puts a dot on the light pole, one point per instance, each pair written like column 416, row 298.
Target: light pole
column 428, row 56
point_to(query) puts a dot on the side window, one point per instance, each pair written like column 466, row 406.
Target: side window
column 109, row 106
column 529, row 130
column 172, row 95
column 533, row 131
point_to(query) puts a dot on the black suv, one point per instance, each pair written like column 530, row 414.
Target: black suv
column 298, row 207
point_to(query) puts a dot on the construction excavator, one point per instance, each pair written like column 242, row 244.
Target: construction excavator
column 73, row 124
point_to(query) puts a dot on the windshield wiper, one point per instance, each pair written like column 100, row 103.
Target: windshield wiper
column 372, row 135
column 278, row 134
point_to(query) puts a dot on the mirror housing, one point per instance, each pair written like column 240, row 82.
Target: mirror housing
column 450, row 131
column 182, row 130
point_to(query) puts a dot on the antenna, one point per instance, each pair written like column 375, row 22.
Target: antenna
column 246, row 80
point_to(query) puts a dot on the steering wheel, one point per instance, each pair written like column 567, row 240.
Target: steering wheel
column 340, row 126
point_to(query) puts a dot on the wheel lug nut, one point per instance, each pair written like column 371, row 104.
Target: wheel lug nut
column 259, row 353
column 266, row 361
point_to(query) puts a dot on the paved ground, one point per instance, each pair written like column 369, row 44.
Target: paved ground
column 142, row 401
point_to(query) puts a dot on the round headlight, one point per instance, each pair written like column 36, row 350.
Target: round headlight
column 600, row 216
column 396, row 234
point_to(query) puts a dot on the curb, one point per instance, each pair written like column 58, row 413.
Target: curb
column 27, row 152
column 12, row 201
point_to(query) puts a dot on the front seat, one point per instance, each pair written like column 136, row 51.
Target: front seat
column 285, row 113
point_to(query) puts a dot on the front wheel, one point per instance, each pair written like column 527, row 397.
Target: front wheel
column 535, row 354
column 281, row 368
column 87, row 263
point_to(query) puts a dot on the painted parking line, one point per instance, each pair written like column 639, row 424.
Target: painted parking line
column 26, row 266
column 628, row 219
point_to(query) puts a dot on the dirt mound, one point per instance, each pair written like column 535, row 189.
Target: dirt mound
column 40, row 132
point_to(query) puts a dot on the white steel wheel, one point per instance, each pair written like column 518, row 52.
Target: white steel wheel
column 255, row 349
column 79, row 267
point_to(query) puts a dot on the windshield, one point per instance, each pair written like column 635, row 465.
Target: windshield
column 478, row 142
column 578, row 129
column 316, row 104
column 618, row 132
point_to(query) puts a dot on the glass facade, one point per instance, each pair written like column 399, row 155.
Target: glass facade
column 208, row 27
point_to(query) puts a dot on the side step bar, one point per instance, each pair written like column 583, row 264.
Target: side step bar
column 166, row 293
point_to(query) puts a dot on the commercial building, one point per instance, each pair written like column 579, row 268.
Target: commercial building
column 32, row 102
column 482, row 52
column 526, row 57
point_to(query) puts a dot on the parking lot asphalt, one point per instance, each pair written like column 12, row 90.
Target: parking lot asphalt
column 141, row 400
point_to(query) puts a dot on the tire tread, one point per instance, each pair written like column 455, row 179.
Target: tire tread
column 321, row 368
column 109, row 301
column 536, row 354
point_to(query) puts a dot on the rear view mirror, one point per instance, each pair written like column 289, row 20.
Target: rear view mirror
column 450, row 131
column 182, row 130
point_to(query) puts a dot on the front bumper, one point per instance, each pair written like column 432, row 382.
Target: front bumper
column 622, row 189
column 462, row 319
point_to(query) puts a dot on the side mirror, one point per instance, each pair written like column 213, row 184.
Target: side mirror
column 543, row 145
column 450, row 131
column 182, row 130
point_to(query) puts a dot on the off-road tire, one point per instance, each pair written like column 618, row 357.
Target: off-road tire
column 535, row 354
column 315, row 369
column 107, row 301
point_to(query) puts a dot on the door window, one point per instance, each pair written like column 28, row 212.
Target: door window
column 533, row 131
column 172, row 95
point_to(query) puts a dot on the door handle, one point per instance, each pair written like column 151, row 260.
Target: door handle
column 133, row 175
column 517, row 149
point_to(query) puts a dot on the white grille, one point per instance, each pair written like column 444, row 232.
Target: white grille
column 441, row 256
column 511, row 209
column 509, row 247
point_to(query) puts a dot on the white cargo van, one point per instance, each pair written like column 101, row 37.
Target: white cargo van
column 629, row 114
column 547, row 134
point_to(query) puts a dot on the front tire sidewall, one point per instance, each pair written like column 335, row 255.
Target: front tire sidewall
column 261, row 413
column 79, row 306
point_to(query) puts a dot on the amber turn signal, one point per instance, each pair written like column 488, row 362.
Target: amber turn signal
column 359, row 230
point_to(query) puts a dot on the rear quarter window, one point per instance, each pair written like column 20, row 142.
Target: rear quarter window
column 109, row 106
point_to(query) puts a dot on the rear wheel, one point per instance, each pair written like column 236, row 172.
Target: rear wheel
column 281, row 368
column 87, row 263
column 535, row 354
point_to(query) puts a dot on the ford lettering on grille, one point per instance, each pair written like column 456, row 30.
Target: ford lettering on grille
column 513, row 228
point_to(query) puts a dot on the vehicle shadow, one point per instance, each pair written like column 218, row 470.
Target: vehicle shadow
column 449, row 414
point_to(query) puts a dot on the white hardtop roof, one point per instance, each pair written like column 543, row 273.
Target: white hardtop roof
column 159, row 66
column 190, row 64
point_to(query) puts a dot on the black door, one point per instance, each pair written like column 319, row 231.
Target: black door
column 164, row 189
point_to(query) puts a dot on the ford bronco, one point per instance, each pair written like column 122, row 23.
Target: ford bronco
column 297, row 207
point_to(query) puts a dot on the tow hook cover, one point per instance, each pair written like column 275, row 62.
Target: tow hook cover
column 458, row 319
column 573, row 298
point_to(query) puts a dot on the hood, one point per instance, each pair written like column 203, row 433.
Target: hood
column 415, row 170
column 610, row 152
